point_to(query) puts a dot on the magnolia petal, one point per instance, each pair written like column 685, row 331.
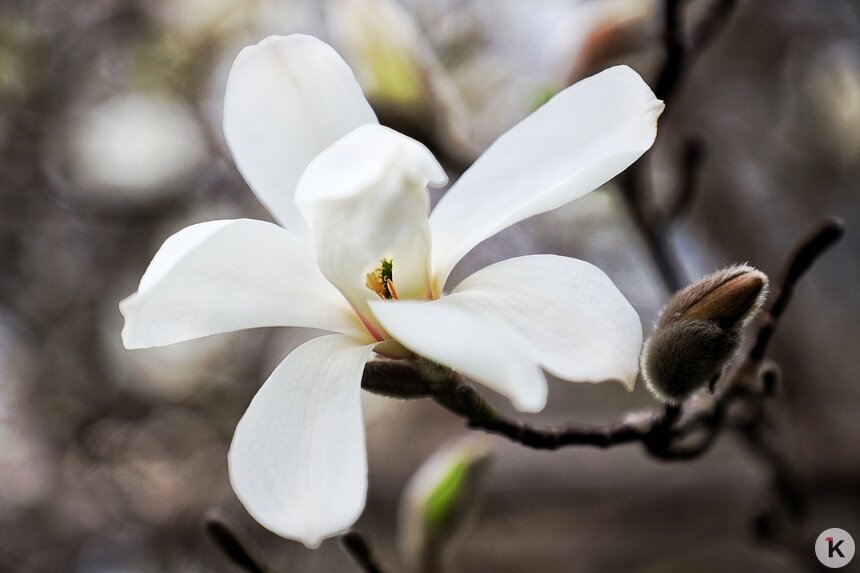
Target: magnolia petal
column 287, row 99
column 223, row 276
column 578, row 323
column 469, row 341
column 365, row 199
column 298, row 462
column 579, row 140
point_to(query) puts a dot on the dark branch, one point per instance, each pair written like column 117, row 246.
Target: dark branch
column 633, row 187
column 230, row 544
column 805, row 254
column 635, row 183
column 713, row 23
column 673, row 42
column 678, row 58
column 694, row 155
column 657, row 431
column 359, row 549
column 654, row 229
column 464, row 401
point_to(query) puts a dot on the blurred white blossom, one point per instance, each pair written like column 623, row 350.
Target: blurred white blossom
column 823, row 104
column 135, row 146
column 195, row 18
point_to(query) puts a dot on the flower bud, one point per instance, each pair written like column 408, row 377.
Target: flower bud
column 399, row 71
column 699, row 331
column 383, row 44
column 442, row 501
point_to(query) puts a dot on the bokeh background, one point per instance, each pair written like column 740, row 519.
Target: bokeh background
column 110, row 141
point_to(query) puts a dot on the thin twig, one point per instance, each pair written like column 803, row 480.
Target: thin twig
column 673, row 42
column 712, row 24
column 680, row 57
column 634, row 182
column 786, row 484
column 354, row 542
column 229, row 541
column 634, row 189
column 805, row 254
column 463, row 400
column 654, row 230
column 660, row 432
column 694, row 155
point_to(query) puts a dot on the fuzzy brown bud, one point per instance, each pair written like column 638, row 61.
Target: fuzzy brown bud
column 699, row 331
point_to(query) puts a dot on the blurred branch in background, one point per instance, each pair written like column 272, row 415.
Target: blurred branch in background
column 636, row 182
column 233, row 545
column 359, row 548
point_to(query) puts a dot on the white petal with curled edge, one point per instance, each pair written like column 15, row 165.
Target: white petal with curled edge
column 223, row 276
column 579, row 324
column 469, row 341
column 579, row 140
column 365, row 199
column 298, row 461
column 287, row 99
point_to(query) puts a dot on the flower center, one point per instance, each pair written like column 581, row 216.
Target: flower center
column 381, row 280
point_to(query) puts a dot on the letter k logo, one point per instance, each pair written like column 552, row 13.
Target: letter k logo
column 834, row 547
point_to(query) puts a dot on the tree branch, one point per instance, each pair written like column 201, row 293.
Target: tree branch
column 673, row 42
column 354, row 542
column 635, row 182
column 694, row 155
column 663, row 434
column 805, row 254
column 230, row 542
column 712, row 24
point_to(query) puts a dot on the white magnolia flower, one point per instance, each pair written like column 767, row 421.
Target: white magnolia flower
column 353, row 255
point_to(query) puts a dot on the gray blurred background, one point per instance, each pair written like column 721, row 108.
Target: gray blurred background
column 110, row 141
